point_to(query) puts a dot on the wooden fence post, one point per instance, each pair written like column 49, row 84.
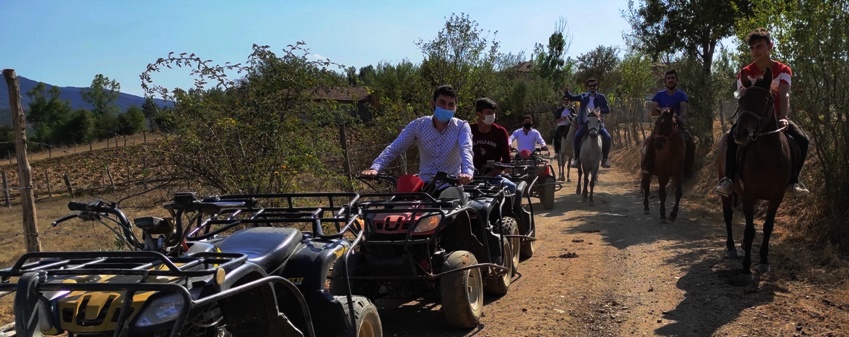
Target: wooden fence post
column 6, row 191
column 19, row 127
column 68, row 185
column 47, row 182
column 109, row 175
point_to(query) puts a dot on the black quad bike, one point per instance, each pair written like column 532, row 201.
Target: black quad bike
column 266, row 278
column 520, row 207
column 537, row 171
column 428, row 239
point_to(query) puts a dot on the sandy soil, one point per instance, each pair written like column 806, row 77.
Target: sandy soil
column 608, row 270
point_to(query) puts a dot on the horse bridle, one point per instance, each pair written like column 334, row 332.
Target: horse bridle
column 770, row 103
column 674, row 127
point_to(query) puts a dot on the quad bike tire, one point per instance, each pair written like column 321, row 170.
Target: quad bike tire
column 546, row 195
column 499, row 285
column 337, row 276
column 365, row 316
column 511, row 227
column 528, row 248
column 461, row 292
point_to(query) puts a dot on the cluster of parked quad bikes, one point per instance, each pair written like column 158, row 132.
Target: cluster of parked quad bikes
column 300, row 264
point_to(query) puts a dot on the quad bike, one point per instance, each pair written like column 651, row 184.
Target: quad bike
column 266, row 278
column 428, row 239
column 538, row 173
column 520, row 205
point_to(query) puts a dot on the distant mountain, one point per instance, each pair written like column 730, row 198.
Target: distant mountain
column 71, row 94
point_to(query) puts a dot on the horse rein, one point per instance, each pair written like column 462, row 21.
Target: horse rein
column 755, row 134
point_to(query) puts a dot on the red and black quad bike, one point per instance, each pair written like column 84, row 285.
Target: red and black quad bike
column 519, row 206
column 539, row 174
column 431, row 240
column 261, row 280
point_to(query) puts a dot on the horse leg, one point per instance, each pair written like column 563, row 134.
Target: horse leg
column 578, row 182
column 678, row 194
column 560, row 165
column 748, row 234
column 592, row 183
column 662, row 181
column 769, row 222
column 586, row 182
column 568, row 170
column 727, row 215
column 645, row 184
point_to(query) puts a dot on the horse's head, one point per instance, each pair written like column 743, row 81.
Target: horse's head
column 593, row 122
column 666, row 123
column 756, row 109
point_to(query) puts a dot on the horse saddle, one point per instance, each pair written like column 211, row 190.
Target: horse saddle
column 795, row 154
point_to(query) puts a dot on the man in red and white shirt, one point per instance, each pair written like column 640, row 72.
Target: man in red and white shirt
column 760, row 46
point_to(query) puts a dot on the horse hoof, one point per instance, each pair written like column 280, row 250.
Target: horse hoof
column 744, row 278
column 763, row 268
column 732, row 254
column 568, row 180
column 672, row 217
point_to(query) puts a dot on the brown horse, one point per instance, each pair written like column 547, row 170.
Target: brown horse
column 764, row 161
column 669, row 147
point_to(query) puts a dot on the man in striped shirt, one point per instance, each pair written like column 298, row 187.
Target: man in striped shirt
column 444, row 142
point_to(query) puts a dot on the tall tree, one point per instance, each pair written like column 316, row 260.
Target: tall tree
column 691, row 28
column 599, row 63
column 549, row 61
column 102, row 95
column 150, row 111
column 461, row 55
column 46, row 112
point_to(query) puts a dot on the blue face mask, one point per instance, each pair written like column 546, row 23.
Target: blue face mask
column 442, row 115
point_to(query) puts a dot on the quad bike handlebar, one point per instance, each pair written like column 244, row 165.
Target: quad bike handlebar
column 99, row 210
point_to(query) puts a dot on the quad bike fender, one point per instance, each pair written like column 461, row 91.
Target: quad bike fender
column 459, row 235
column 308, row 267
column 242, row 274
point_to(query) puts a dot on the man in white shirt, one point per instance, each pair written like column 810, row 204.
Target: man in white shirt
column 444, row 141
column 527, row 137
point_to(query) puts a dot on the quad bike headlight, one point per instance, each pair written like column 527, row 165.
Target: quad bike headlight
column 427, row 223
column 162, row 309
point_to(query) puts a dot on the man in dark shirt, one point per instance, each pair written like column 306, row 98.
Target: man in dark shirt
column 490, row 142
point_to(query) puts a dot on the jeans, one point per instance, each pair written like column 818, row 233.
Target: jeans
column 605, row 140
column 503, row 181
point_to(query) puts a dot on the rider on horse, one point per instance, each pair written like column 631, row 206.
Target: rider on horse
column 563, row 116
column 590, row 100
column 760, row 46
column 676, row 100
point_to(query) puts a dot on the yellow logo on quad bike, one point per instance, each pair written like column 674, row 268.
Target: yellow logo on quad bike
column 98, row 311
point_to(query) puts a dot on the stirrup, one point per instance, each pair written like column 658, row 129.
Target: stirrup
column 724, row 188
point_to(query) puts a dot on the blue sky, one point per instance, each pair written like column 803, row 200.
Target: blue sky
column 67, row 43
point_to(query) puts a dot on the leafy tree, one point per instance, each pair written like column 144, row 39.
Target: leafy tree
column 460, row 55
column 46, row 113
column 150, row 111
column 131, row 122
column 693, row 28
column 79, row 128
column 269, row 131
column 549, row 60
column 600, row 63
column 102, row 95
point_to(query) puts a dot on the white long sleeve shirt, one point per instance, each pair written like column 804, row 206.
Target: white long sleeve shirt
column 526, row 141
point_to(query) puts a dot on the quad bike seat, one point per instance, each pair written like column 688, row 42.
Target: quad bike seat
column 267, row 247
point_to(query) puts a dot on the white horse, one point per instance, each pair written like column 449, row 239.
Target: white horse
column 590, row 156
column 567, row 152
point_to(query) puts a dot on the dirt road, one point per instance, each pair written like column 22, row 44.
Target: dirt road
column 608, row 270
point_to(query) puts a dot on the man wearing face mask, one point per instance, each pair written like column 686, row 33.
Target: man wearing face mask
column 590, row 100
column 444, row 142
column 563, row 117
column 490, row 142
column 527, row 137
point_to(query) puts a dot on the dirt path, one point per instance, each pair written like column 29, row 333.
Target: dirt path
column 608, row 270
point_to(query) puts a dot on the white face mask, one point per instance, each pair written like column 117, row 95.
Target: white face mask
column 489, row 119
